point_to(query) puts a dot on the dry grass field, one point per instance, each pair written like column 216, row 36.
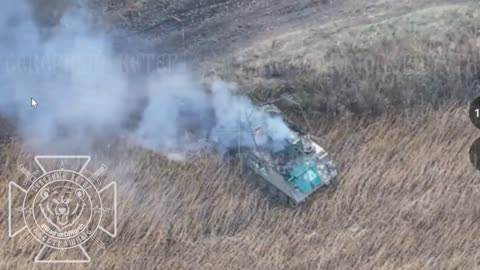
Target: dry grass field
column 387, row 95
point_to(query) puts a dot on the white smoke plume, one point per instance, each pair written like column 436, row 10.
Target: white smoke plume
column 84, row 92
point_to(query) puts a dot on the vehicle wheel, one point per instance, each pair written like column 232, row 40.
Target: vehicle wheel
column 292, row 203
column 272, row 190
column 262, row 184
column 282, row 197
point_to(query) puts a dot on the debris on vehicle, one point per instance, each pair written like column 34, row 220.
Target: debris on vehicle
column 292, row 172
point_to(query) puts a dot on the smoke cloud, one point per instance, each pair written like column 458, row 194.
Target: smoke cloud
column 84, row 92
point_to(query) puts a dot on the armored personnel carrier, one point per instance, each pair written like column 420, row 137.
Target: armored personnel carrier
column 291, row 170
column 288, row 162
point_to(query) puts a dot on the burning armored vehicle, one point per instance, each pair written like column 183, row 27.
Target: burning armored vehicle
column 290, row 167
column 287, row 161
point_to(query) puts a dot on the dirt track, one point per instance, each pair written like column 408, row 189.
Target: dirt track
column 216, row 27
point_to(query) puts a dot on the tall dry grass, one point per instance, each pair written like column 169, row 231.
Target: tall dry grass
column 406, row 197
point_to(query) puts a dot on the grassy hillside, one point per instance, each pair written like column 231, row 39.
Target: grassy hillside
column 406, row 196
column 429, row 55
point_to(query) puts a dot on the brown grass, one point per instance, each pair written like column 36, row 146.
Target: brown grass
column 405, row 199
column 406, row 196
column 427, row 56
